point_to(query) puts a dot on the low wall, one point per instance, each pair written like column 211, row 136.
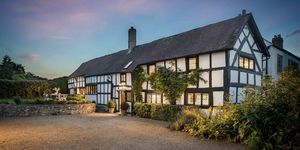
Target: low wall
column 44, row 110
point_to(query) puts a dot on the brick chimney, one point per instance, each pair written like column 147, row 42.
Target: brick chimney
column 277, row 41
column 131, row 39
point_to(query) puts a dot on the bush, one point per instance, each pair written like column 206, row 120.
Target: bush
column 124, row 106
column 267, row 119
column 17, row 100
column 22, row 88
column 156, row 111
column 111, row 104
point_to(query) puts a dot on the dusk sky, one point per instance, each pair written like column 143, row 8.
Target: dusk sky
column 51, row 38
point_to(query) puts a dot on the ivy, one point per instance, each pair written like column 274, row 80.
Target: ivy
column 173, row 84
column 139, row 78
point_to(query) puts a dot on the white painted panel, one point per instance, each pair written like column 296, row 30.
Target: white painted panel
column 259, row 59
column 170, row 64
column 255, row 47
column 144, row 85
column 98, row 78
column 251, row 78
column 102, row 99
column 109, row 88
column 217, row 78
column 72, row 91
column 234, row 76
column 258, row 80
column 180, row 100
column 250, row 39
column 118, row 79
column 114, row 79
column 181, row 65
column 232, row 93
column 240, row 95
column 98, row 100
column 231, row 56
column 143, row 96
column 246, row 30
column 218, row 98
column 218, row 59
column 205, row 76
column 98, row 88
column 102, row 88
column 114, row 92
column 237, row 44
column 91, row 97
column 128, row 78
column 160, row 64
column 246, row 48
column 243, row 77
column 144, row 68
column 204, row 61
column 149, row 86
column 242, row 36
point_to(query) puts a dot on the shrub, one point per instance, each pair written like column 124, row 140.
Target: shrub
column 124, row 106
column 17, row 100
column 156, row 111
column 22, row 88
column 111, row 104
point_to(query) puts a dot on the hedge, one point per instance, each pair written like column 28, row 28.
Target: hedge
column 159, row 111
column 23, row 88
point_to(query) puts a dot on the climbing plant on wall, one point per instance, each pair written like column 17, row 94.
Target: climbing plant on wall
column 139, row 78
column 172, row 84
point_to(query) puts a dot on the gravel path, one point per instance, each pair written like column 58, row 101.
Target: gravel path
column 98, row 131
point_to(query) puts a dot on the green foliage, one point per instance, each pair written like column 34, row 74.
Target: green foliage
column 23, row 88
column 61, row 83
column 10, row 70
column 173, row 84
column 111, row 104
column 138, row 78
column 156, row 111
column 124, row 106
column 56, row 89
column 267, row 119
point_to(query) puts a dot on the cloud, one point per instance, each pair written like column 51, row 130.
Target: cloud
column 33, row 57
column 293, row 33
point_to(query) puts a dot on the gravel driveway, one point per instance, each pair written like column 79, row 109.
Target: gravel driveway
column 98, row 131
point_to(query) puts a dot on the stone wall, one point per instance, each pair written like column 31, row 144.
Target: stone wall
column 44, row 110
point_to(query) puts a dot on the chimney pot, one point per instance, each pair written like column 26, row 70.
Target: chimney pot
column 243, row 12
column 278, row 41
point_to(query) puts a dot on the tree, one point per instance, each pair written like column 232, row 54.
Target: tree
column 173, row 84
column 10, row 70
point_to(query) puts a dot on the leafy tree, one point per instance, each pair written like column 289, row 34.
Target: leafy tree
column 139, row 78
column 10, row 70
column 173, row 84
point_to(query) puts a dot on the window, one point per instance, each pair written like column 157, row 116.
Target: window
column 154, row 98
column 198, row 99
column 192, row 63
column 279, row 63
column 128, row 64
column 151, row 69
column 123, row 78
column 293, row 64
column 246, row 63
column 90, row 90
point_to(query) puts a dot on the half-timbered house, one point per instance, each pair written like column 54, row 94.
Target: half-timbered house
column 231, row 54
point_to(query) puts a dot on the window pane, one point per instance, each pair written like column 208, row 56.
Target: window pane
column 251, row 64
column 241, row 62
column 158, row 98
column 197, row 98
column 205, row 99
column 153, row 98
column 149, row 98
column 246, row 63
column 128, row 96
column 190, row 98
column 151, row 69
column 192, row 63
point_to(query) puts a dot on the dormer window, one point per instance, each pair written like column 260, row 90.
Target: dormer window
column 128, row 64
column 246, row 63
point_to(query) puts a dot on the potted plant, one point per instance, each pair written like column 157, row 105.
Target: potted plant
column 124, row 108
column 111, row 106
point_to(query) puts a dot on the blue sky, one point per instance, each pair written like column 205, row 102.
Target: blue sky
column 51, row 38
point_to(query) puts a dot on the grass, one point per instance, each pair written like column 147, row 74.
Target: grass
column 11, row 101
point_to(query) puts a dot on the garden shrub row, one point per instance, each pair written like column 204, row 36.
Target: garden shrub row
column 159, row 111
column 267, row 119
column 23, row 88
